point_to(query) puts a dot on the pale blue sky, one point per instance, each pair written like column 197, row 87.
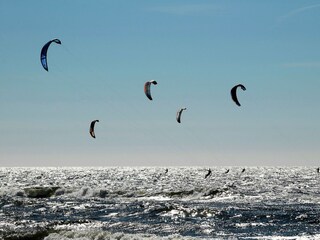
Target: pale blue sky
column 196, row 51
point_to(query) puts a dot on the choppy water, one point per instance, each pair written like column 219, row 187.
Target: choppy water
column 147, row 203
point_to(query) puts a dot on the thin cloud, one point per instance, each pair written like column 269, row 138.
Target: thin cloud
column 302, row 65
column 299, row 10
column 187, row 9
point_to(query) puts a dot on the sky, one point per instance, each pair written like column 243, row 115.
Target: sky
column 196, row 50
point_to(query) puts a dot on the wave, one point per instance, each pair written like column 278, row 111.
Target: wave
column 40, row 192
column 103, row 235
column 92, row 234
column 88, row 192
column 33, row 235
column 98, row 234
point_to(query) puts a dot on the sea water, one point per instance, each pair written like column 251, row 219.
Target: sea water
column 152, row 203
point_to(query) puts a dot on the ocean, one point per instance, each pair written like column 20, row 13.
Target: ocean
column 154, row 203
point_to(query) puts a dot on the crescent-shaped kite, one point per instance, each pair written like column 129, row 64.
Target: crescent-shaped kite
column 44, row 50
column 92, row 128
column 234, row 93
column 147, row 87
column 179, row 114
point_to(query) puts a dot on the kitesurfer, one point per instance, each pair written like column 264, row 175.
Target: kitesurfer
column 208, row 174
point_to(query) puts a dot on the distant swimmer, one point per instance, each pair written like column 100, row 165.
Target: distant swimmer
column 208, row 174
column 166, row 171
column 243, row 170
column 318, row 170
column 227, row 171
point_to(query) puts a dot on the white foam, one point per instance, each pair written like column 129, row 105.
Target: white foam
column 304, row 237
column 102, row 235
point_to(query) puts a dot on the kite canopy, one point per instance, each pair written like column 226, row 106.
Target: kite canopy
column 44, row 50
column 234, row 93
column 147, row 87
column 92, row 128
column 179, row 114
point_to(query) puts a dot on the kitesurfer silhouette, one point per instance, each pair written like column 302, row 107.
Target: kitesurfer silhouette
column 208, row 174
